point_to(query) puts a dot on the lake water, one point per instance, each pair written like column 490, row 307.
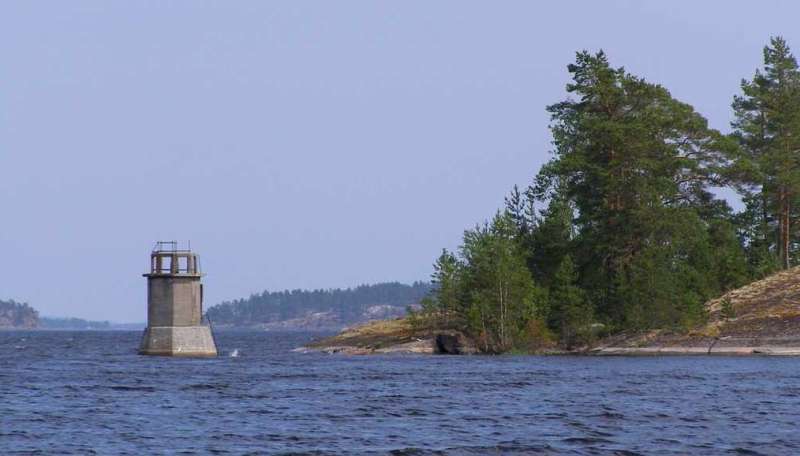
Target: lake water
column 88, row 392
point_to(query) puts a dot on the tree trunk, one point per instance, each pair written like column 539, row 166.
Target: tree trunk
column 502, row 315
column 784, row 228
column 786, row 234
column 485, row 334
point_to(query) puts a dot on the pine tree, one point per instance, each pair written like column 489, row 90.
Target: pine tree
column 502, row 295
column 754, row 227
column 551, row 240
column 445, row 304
column 545, row 236
column 767, row 124
column 633, row 161
column 570, row 312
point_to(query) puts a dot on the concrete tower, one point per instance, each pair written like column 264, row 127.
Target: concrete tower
column 175, row 305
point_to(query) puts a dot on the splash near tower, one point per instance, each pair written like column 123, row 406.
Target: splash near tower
column 175, row 305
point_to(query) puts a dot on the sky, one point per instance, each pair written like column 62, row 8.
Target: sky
column 303, row 144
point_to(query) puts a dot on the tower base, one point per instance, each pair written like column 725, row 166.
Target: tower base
column 178, row 341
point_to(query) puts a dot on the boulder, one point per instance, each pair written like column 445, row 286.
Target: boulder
column 448, row 344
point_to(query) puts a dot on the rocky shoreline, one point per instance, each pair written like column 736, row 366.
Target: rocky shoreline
column 723, row 346
column 681, row 351
column 760, row 319
column 396, row 336
column 444, row 344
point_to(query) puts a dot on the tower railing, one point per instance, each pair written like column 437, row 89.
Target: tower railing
column 167, row 259
column 170, row 247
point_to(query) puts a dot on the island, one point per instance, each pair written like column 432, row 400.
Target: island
column 318, row 310
column 627, row 240
column 22, row 316
column 17, row 315
column 762, row 318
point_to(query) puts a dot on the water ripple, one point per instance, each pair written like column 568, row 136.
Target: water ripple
column 94, row 395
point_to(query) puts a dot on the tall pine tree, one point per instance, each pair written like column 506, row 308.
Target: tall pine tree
column 767, row 124
column 633, row 160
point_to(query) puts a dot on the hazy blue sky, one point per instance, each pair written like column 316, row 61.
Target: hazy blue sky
column 303, row 144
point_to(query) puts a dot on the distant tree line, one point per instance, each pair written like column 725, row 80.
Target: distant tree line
column 348, row 304
column 72, row 323
column 621, row 229
column 17, row 315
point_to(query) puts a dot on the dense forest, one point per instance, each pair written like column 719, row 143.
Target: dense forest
column 623, row 229
column 17, row 315
column 346, row 306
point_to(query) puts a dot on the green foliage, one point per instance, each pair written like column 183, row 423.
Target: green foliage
column 767, row 126
column 444, row 305
column 755, row 230
column 631, row 235
column 636, row 163
column 419, row 317
column 727, row 308
column 502, row 297
column 666, row 284
column 571, row 313
column 551, row 240
column 729, row 266
column 487, row 290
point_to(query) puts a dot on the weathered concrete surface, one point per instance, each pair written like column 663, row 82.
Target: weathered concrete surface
column 178, row 341
column 175, row 307
column 173, row 300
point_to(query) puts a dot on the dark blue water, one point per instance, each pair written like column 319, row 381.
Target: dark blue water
column 89, row 393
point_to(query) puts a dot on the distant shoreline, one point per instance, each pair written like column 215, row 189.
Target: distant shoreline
column 40, row 329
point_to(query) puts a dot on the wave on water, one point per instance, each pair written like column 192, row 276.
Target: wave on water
column 284, row 402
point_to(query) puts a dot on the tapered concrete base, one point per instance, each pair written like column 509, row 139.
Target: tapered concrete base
column 178, row 341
